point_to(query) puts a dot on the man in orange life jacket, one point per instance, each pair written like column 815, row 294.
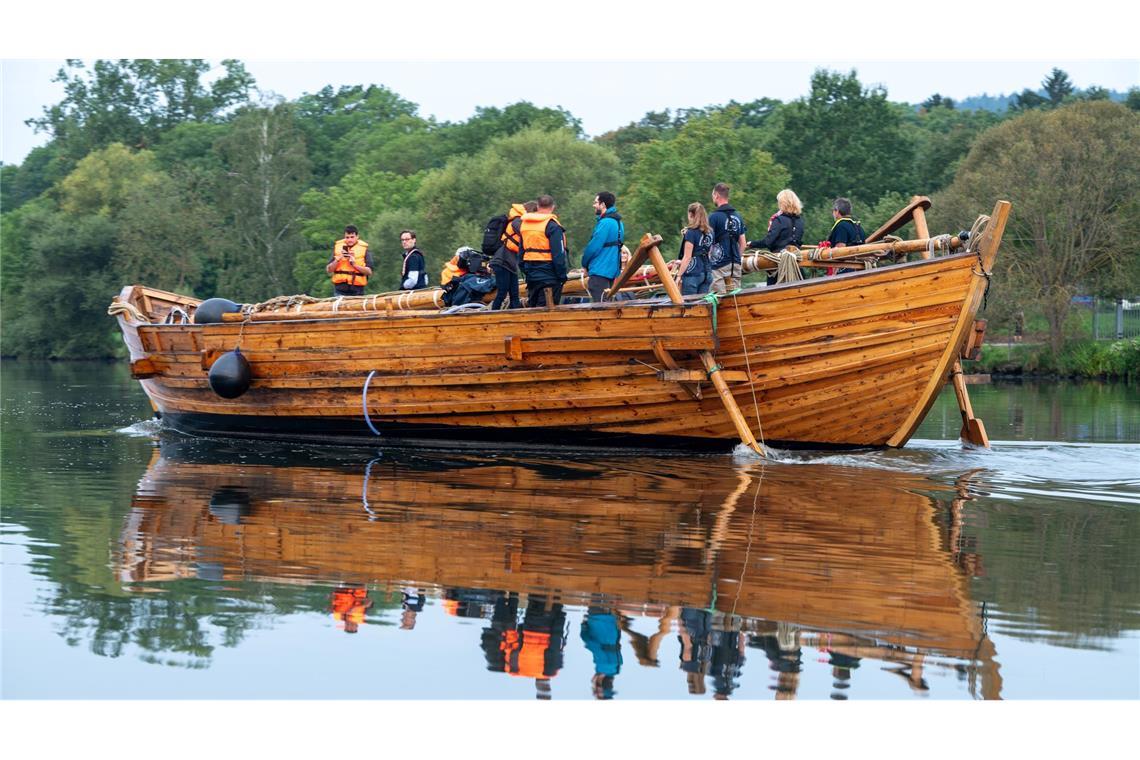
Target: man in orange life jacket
column 350, row 264
column 349, row 606
column 544, row 259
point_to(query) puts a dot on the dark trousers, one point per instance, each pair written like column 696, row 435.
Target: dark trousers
column 349, row 290
column 597, row 285
column 536, row 292
column 506, row 284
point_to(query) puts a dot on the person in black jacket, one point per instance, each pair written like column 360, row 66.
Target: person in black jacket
column 785, row 228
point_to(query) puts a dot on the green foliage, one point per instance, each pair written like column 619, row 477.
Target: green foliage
column 131, row 101
column 335, row 122
column 671, row 173
column 358, row 199
column 1073, row 177
column 103, row 180
column 454, row 203
column 942, row 137
column 266, row 171
column 1080, row 358
column 43, row 167
column 843, row 140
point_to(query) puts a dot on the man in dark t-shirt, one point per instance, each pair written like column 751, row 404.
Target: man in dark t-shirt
column 413, row 275
column 846, row 231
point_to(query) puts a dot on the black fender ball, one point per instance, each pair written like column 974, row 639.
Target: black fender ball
column 230, row 375
column 211, row 310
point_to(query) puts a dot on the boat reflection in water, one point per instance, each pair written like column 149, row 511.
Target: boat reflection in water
column 723, row 558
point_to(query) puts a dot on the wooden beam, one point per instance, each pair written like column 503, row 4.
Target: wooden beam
column 729, row 402
column 973, row 431
column 143, row 368
column 635, row 261
column 900, row 220
column 671, row 365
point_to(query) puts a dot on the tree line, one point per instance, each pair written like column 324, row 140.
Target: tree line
column 156, row 173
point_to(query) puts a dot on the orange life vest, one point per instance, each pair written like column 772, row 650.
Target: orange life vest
column 343, row 274
column 512, row 237
column 536, row 245
column 450, row 270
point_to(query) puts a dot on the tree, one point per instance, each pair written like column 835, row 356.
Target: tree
column 104, row 179
column 1027, row 100
column 454, row 203
column 1073, row 176
column 266, row 170
column 669, row 174
column 942, row 137
column 131, row 101
column 937, row 101
column 843, row 140
column 1057, row 87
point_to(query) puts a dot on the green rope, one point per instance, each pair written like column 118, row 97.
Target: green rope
column 714, row 300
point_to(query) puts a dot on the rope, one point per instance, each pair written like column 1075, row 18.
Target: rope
column 364, row 403
column 748, row 548
column 178, row 311
column 122, row 307
column 787, row 265
column 974, row 244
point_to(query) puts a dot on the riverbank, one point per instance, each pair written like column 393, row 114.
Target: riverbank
column 1106, row 360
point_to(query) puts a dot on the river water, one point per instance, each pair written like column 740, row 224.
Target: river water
column 148, row 565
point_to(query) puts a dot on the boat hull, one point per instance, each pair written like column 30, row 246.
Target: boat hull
column 851, row 360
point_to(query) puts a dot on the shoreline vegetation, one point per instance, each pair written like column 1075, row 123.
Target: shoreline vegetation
column 184, row 176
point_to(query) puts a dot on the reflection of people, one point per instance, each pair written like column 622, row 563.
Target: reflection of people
column 693, row 634
column 532, row 649
column 841, row 667
column 349, row 605
column 413, row 602
column 727, row 659
column 504, row 618
column 784, row 657
column 602, row 636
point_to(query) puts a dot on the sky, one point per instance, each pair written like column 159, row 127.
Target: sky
column 604, row 78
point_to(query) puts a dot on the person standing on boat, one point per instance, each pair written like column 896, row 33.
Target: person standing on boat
column 691, row 269
column 350, row 264
column 413, row 275
column 846, row 231
column 544, row 260
column 505, row 262
column 728, row 242
column 785, row 228
column 601, row 258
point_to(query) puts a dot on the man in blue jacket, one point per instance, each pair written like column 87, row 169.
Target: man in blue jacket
column 601, row 258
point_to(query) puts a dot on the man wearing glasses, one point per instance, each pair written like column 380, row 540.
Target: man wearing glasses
column 413, row 276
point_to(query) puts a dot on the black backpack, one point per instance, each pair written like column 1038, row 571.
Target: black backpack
column 493, row 234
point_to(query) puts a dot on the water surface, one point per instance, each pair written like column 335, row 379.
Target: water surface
column 149, row 565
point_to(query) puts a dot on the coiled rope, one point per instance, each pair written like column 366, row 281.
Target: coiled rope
column 787, row 265
column 122, row 307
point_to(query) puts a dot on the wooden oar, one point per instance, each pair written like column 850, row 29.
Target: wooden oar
column 649, row 244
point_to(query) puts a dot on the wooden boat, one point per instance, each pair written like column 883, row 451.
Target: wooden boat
column 872, row 567
column 850, row 360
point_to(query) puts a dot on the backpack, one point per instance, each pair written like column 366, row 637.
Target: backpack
column 493, row 233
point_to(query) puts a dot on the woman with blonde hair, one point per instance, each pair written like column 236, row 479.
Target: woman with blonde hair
column 691, row 269
column 785, row 228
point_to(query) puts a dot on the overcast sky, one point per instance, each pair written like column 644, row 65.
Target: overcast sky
column 427, row 66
